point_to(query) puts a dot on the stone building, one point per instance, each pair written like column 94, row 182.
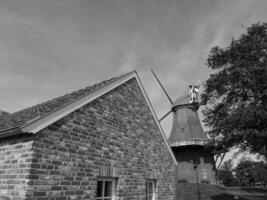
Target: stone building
column 101, row 142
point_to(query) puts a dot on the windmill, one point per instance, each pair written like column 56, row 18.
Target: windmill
column 187, row 138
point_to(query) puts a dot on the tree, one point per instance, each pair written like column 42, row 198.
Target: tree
column 226, row 178
column 235, row 94
column 227, row 165
column 249, row 173
column 225, row 175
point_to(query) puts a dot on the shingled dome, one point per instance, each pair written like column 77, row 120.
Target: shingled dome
column 186, row 127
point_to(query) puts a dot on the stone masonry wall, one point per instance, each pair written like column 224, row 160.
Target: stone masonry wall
column 116, row 130
column 16, row 156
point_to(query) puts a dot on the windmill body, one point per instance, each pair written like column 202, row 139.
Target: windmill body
column 187, row 140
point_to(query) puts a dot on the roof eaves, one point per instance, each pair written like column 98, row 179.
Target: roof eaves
column 10, row 132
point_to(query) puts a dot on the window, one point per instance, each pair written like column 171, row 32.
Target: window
column 105, row 189
column 150, row 190
column 203, row 173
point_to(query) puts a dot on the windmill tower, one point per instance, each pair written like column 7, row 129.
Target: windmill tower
column 187, row 139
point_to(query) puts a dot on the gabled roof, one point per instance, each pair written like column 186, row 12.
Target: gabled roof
column 25, row 116
column 36, row 118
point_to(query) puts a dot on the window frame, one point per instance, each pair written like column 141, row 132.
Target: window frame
column 151, row 196
column 113, row 189
column 204, row 174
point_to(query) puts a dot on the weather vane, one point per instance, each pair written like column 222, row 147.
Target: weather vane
column 193, row 93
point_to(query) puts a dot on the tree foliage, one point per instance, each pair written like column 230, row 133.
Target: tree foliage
column 225, row 175
column 234, row 94
column 226, row 178
column 227, row 165
column 249, row 173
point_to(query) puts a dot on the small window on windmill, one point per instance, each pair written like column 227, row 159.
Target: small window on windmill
column 203, row 173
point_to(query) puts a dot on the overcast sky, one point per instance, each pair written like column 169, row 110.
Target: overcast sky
column 52, row 47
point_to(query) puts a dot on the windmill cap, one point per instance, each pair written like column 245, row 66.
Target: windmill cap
column 183, row 101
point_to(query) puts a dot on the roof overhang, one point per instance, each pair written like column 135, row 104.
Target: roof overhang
column 10, row 132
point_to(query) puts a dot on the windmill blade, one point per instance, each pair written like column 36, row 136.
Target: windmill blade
column 222, row 157
column 216, row 158
column 164, row 116
column 162, row 87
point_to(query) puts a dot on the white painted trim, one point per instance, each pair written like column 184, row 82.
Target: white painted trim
column 43, row 122
column 155, row 117
column 189, row 142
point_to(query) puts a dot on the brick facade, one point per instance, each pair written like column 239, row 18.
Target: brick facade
column 16, row 156
column 115, row 132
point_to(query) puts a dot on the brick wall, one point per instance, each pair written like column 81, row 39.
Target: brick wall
column 116, row 131
column 16, row 156
column 186, row 156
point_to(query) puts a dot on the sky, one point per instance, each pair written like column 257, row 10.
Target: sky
column 52, row 47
